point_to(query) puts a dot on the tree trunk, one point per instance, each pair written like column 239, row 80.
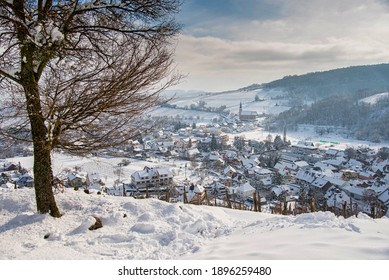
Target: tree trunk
column 43, row 174
column 43, row 177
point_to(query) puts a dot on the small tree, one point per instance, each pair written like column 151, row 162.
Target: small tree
column 76, row 75
column 277, row 178
column 369, row 196
column 213, row 145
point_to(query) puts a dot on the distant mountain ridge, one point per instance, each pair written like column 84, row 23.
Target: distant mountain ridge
column 367, row 79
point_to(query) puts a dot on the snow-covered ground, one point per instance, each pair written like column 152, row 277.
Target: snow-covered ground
column 375, row 98
column 153, row 229
column 272, row 101
column 308, row 133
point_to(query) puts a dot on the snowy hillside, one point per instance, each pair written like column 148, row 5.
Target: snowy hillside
column 152, row 229
column 374, row 99
column 270, row 101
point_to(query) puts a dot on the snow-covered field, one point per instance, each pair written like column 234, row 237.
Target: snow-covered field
column 272, row 101
column 375, row 98
column 153, row 229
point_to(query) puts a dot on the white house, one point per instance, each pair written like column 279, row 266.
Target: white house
column 245, row 190
column 152, row 176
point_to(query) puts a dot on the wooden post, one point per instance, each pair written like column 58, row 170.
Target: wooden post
column 167, row 198
column 206, row 198
column 372, row 209
column 344, row 206
column 284, row 212
column 259, row 203
column 351, row 206
column 185, row 197
column 325, row 206
column 313, row 205
column 356, row 209
column 228, row 200
column 255, row 201
column 147, row 192
column 295, row 208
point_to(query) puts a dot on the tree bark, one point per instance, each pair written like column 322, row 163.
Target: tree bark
column 43, row 175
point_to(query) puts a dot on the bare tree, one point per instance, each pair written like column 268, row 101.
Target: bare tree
column 77, row 75
column 369, row 196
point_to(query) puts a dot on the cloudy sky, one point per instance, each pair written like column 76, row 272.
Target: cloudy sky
column 228, row 44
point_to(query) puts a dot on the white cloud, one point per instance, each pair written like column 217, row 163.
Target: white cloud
column 310, row 36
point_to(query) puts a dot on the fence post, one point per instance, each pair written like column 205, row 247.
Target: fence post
column 313, row 205
column 167, row 197
column 325, row 206
column 344, row 206
column 284, row 212
column 185, row 197
column 255, row 201
column 351, row 206
column 206, row 197
column 228, row 200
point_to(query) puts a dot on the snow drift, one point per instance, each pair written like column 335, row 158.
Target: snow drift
column 153, row 229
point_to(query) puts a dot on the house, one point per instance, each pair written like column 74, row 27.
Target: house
column 332, row 153
column 301, row 164
column 216, row 187
column 192, row 154
column 244, row 190
column 95, row 178
column 262, row 173
column 231, row 157
column 285, row 168
column 304, row 178
column 9, row 166
column 229, row 171
column 152, row 176
column 335, row 198
column 283, row 191
column 121, row 189
column 304, row 146
column 78, row 179
column 366, row 175
column 25, row 181
column 381, row 167
column 194, row 193
column 322, row 184
column 355, row 191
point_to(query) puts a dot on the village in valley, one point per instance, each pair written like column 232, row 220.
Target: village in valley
column 231, row 163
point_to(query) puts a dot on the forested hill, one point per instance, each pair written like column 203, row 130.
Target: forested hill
column 333, row 98
column 364, row 80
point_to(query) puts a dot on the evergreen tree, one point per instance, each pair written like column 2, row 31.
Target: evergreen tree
column 213, row 145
